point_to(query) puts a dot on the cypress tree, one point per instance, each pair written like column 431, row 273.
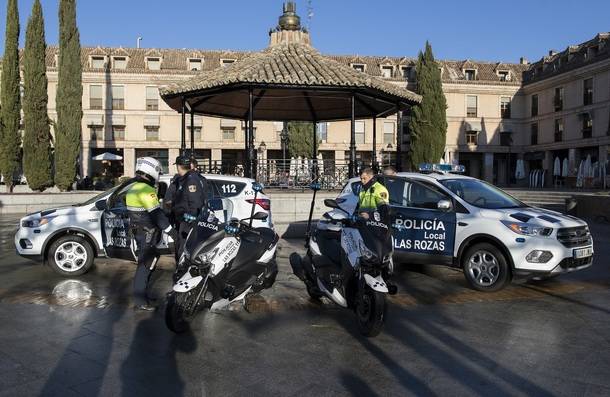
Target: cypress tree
column 428, row 123
column 36, row 138
column 300, row 139
column 69, row 97
column 10, row 97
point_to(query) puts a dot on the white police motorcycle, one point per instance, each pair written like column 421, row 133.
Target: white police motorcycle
column 222, row 263
column 347, row 264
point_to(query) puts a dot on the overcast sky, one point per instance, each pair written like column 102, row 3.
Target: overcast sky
column 481, row 30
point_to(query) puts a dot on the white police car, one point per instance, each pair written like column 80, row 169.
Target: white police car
column 69, row 238
column 442, row 217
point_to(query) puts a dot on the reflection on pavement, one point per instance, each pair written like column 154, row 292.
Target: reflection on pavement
column 109, row 282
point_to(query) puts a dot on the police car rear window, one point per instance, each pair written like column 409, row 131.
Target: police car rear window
column 228, row 188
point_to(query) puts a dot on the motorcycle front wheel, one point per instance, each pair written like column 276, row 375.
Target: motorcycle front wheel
column 180, row 310
column 370, row 311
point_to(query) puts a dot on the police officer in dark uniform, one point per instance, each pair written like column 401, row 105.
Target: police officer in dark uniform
column 188, row 199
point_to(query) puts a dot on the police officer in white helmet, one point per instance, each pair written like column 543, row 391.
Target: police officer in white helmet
column 147, row 221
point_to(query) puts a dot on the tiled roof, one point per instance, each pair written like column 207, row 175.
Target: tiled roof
column 293, row 64
column 175, row 61
column 573, row 57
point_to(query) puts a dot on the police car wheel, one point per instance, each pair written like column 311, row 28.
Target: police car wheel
column 485, row 268
column 70, row 255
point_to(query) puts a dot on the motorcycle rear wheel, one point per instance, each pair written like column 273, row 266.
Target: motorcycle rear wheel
column 178, row 311
column 370, row 312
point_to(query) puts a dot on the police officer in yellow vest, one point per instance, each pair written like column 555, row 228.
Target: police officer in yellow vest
column 372, row 194
column 147, row 221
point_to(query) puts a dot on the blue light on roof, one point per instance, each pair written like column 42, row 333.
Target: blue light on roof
column 452, row 168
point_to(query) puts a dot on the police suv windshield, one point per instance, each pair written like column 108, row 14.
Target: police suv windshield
column 481, row 194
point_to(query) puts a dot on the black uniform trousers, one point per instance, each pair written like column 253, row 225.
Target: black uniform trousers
column 148, row 255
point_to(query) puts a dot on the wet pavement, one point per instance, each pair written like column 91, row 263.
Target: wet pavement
column 70, row 337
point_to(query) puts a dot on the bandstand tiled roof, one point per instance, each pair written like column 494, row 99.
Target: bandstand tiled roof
column 290, row 66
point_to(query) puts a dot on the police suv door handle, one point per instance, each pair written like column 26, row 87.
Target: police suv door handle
column 462, row 224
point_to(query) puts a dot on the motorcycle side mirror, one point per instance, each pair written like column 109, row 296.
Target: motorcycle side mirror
column 261, row 216
column 444, row 205
column 331, row 203
column 215, row 204
column 257, row 187
column 101, row 205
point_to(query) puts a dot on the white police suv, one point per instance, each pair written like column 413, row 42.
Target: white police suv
column 69, row 238
column 443, row 217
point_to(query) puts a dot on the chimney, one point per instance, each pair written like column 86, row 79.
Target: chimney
column 523, row 61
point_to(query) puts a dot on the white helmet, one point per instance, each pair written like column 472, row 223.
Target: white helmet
column 149, row 166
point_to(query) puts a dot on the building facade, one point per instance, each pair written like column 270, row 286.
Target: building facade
column 497, row 113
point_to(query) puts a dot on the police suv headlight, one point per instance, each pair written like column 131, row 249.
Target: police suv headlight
column 35, row 222
column 525, row 229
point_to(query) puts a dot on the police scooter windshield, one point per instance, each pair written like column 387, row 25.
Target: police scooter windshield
column 376, row 236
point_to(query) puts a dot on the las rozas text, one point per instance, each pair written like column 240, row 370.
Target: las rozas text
column 422, row 245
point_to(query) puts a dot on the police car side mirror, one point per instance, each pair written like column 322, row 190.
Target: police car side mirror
column 101, row 205
column 444, row 205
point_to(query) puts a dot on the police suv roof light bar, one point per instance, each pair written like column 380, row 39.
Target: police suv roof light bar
column 427, row 168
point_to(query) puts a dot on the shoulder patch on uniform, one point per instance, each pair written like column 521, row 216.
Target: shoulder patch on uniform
column 383, row 195
column 192, row 188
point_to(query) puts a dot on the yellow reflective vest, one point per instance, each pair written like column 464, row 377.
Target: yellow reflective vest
column 142, row 197
column 373, row 197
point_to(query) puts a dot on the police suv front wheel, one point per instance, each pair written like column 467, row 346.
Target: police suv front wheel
column 485, row 267
column 70, row 255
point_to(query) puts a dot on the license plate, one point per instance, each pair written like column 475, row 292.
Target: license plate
column 583, row 252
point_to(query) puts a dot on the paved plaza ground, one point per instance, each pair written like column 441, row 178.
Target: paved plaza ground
column 71, row 337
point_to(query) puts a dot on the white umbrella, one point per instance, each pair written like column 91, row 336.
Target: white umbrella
column 565, row 167
column 587, row 167
column 580, row 173
column 293, row 166
column 520, row 169
column 557, row 167
column 107, row 156
column 320, row 164
column 305, row 166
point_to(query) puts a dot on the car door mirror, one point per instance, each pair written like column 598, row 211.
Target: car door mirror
column 260, row 216
column 444, row 205
column 101, row 205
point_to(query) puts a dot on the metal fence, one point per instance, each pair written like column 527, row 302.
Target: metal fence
column 290, row 173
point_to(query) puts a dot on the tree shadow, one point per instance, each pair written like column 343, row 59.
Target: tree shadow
column 102, row 346
column 152, row 363
column 459, row 361
column 356, row 385
column 405, row 378
column 567, row 299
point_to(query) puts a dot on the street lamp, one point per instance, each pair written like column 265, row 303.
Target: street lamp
column 284, row 141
